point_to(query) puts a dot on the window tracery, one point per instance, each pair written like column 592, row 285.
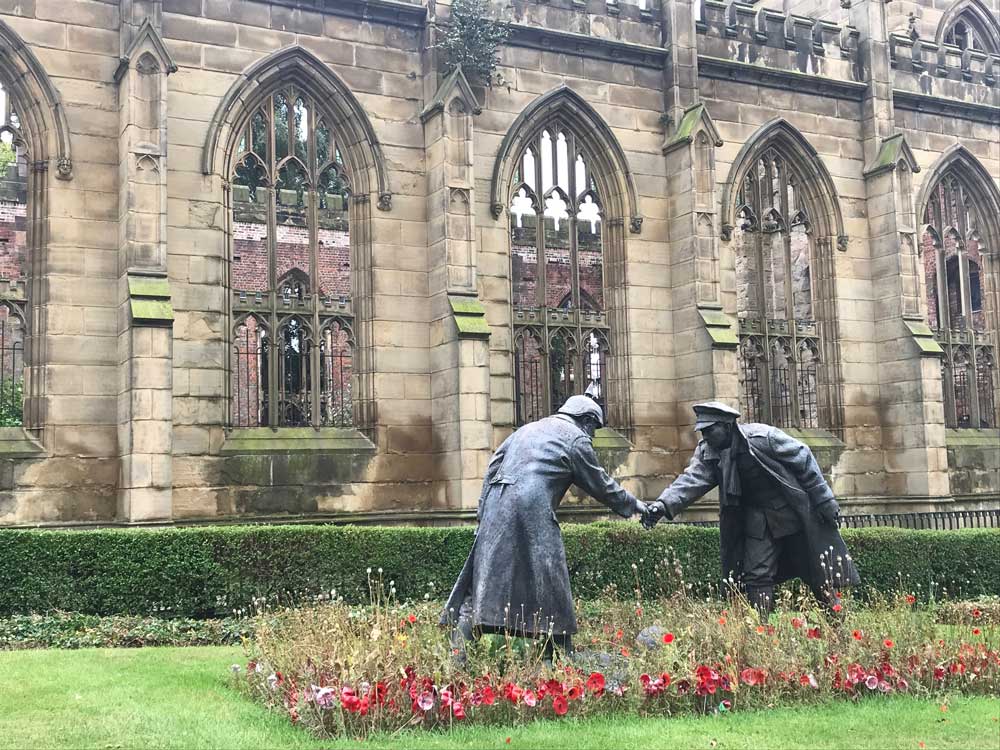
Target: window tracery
column 561, row 327
column 953, row 260
column 291, row 270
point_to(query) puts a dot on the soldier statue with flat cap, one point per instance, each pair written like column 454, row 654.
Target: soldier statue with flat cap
column 515, row 579
column 777, row 515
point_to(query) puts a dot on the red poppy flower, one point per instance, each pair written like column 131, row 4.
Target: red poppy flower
column 857, row 635
column 668, row 637
column 595, row 683
column 411, row 618
column 836, row 607
column 638, row 611
column 618, row 635
column 559, row 705
column 976, row 613
column 976, row 631
column 760, row 628
column 458, row 710
column 665, row 678
column 574, row 692
column 508, row 740
column 812, row 633
column 722, row 620
column 798, row 622
column 625, row 652
column 887, row 643
column 911, row 599
column 749, row 676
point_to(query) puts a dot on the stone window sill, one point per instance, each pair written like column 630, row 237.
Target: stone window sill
column 15, row 442
column 956, row 438
column 612, row 448
column 295, row 440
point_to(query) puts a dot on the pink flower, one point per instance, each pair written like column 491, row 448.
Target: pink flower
column 458, row 710
column 798, row 622
column 426, row 701
column 529, row 698
column 871, row 682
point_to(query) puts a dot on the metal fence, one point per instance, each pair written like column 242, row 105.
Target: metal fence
column 945, row 520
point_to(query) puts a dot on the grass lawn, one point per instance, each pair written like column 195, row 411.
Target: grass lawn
column 180, row 698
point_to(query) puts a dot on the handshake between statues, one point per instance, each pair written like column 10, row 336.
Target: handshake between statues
column 650, row 513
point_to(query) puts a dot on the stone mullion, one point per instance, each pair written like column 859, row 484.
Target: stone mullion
column 312, row 210
column 35, row 351
column 274, row 341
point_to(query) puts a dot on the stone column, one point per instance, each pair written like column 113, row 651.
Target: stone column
column 145, row 317
column 459, row 336
column 704, row 336
column 910, row 398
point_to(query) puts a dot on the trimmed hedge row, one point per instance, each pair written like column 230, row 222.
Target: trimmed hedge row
column 210, row 571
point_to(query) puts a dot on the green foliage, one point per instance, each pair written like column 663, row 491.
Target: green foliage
column 75, row 630
column 11, row 402
column 472, row 39
column 208, row 571
column 7, row 156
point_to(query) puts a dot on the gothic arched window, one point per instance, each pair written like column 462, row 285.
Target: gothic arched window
column 14, row 264
column 953, row 259
column 970, row 25
column 561, row 327
column 290, row 277
column 781, row 367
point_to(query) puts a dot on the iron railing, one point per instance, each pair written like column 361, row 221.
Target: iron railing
column 945, row 520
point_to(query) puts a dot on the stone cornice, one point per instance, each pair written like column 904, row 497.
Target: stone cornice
column 948, row 107
column 584, row 45
column 731, row 70
column 381, row 11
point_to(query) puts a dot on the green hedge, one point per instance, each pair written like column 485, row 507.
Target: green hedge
column 199, row 572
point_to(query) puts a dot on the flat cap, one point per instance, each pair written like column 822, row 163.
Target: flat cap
column 711, row 412
column 578, row 406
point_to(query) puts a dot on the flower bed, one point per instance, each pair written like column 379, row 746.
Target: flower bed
column 343, row 670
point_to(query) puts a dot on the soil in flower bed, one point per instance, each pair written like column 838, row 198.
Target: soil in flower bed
column 344, row 671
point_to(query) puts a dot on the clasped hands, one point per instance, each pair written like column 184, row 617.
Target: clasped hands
column 650, row 513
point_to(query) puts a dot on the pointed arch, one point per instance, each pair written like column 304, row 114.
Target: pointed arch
column 959, row 206
column 296, row 65
column 958, row 160
column 615, row 179
column 817, row 184
column 978, row 16
column 38, row 104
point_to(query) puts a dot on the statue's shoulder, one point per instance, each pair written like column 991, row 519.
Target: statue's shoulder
column 758, row 430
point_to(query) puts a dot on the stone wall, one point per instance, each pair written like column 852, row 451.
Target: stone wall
column 672, row 96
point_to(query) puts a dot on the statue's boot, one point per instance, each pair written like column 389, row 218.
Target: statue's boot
column 762, row 599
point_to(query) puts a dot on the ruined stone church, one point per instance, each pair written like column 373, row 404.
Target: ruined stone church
column 278, row 260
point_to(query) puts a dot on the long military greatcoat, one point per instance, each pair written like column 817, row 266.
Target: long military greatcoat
column 515, row 577
column 818, row 555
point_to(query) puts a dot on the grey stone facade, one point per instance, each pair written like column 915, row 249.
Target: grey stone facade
column 132, row 117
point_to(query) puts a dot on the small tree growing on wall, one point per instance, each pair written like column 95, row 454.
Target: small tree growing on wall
column 472, row 39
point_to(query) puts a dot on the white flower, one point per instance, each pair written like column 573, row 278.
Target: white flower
column 235, row 668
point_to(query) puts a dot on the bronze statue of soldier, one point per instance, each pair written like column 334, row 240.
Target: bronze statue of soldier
column 515, row 579
column 777, row 515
